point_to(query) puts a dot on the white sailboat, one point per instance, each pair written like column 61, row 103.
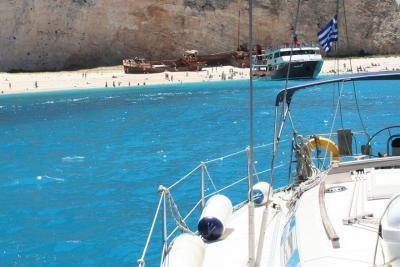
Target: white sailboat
column 345, row 213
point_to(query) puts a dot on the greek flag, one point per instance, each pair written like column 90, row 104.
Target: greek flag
column 328, row 35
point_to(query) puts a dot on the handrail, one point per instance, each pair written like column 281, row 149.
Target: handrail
column 330, row 231
column 225, row 157
column 240, row 180
column 184, row 177
column 302, row 45
column 370, row 76
column 218, row 159
column 335, row 133
column 216, row 192
column 164, row 191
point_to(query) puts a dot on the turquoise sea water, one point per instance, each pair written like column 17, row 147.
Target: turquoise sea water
column 80, row 170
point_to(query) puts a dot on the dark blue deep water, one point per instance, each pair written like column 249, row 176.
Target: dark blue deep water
column 79, row 170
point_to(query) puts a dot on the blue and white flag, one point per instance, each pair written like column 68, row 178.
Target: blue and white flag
column 328, row 35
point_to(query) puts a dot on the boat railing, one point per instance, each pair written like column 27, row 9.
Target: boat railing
column 301, row 45
column 167, row 205
column 166, row 199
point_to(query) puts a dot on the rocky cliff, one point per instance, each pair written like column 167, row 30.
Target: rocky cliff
column 60, row 34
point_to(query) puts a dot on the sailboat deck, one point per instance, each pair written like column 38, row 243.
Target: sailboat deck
column 232, row 249
column 357, row 240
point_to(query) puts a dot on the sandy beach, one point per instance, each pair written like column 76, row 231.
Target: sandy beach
column 111, row 77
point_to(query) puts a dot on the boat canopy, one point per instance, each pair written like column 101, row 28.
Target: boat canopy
column 371, row 76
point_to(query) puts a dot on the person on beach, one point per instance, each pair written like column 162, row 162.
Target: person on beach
column 223, row 76
column 9, row 85
column 113, row 83
column 36, row 85
column 106, row 84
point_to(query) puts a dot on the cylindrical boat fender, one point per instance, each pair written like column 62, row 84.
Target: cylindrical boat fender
column 186, row 250
column 214, row 217
column 390, row 232
column 260, row 193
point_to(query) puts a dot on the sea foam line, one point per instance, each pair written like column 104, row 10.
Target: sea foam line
column 73, row 159
column 41, row 177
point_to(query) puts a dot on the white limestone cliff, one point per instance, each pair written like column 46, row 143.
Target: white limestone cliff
column 61, row 34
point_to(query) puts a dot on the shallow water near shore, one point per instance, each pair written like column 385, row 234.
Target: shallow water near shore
column 80, row 169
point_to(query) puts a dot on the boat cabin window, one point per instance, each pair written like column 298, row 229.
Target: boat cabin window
column 276, row 55
column 299, row 52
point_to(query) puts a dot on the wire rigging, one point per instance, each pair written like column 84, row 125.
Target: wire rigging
column 337, row 45
column 285, row 106
column 363, row 125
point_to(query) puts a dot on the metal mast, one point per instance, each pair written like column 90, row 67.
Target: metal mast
column 251, row 244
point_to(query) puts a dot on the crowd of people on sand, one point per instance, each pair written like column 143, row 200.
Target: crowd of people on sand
column 202, row 76
column 360, row 68
column 119, row 84
column 207, row 74
column 225, row 76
